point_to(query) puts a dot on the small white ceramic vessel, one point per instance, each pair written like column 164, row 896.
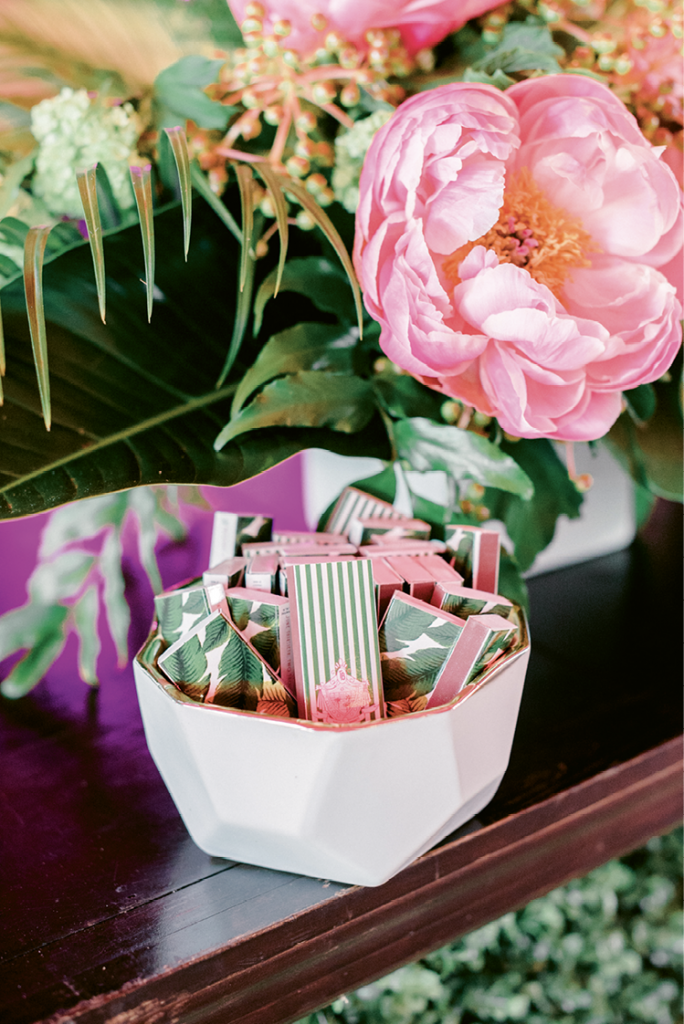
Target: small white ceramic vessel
column 351, row 803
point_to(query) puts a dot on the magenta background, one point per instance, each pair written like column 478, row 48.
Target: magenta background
column 276, row 493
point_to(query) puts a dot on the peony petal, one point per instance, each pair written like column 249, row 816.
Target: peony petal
column 592, row 419
column 467, row 207
column 641, row 310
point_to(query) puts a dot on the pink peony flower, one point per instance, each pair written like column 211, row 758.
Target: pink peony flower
column 508, row 244
column 422, row 23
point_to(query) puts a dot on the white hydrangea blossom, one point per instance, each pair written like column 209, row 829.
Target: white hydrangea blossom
column 350, row 150
column 74, row 132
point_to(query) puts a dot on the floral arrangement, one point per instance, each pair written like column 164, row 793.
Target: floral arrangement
column 475, row 211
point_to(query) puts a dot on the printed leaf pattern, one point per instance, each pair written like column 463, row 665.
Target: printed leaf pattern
column 464, row 607
column 239, row 611
column 501, row 640
column 414, row 646
column 242, row 676
column 260, row 623
column 180, row 611
column 214, row 665
column 267, row 643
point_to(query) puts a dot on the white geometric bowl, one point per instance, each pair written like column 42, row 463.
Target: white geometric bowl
column 354, row 804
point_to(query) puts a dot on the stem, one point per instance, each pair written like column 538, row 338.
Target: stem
column 280, row 141
column 237, row 154
column 464, row 418
column 339, row 115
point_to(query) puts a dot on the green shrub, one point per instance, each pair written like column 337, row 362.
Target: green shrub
column 604, row 949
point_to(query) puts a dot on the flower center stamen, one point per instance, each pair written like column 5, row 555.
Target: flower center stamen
column 533, row 234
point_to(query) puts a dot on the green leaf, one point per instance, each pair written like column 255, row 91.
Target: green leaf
column 644, row 500
column 204, row 188
column 8, row 268
column 68, row 558
column 143, row 502
column 239, row 611
column 265, row 615
column 120, row 387
column 80, row 522
column 652, row 451
column 242, row 312
column 460, row 453
column 430, row 512
column 532, row 524
column 316, row 278
column 22, row 628
column 180, row 611
column 381, row 485
column 110, row 212
column 61, row 578
column 84, row 616
column 135, row 403
column 523, row 46
column 511, row 583
column 641, row 402
column 32, row 667
column 13, row 231
column 34, row 250
column 179, row 94
column 307, row 346
column 308, row 398
column 405, row 397
column 497, row 79
column 141, row 178
column 245, row 179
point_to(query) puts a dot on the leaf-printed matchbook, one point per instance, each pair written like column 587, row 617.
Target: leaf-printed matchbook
column 335, row 642
column 179, row 610
column 214, row 664
column 417, row 647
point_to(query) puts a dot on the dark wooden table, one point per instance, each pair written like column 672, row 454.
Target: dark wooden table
column 110, row 912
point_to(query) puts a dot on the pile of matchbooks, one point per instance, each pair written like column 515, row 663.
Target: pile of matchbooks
column 367, row 620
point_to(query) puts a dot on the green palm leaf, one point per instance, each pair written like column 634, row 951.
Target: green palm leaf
column 135, row 403
column 34, row 251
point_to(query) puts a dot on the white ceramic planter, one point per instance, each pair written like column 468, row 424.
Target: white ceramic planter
column 354, row 804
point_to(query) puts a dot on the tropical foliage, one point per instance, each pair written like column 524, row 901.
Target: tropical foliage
column 168, row 336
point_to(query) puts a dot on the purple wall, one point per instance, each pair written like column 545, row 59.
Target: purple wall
column 276, row 493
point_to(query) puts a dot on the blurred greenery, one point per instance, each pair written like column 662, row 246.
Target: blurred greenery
column 604, row 949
